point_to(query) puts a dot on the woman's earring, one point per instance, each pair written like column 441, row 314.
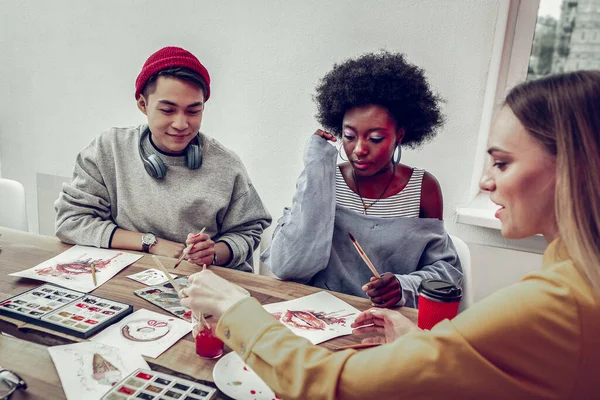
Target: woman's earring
column 397, row 154
column 340, row 153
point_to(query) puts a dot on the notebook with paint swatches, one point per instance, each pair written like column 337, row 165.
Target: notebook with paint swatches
column 68, row 311
column 152, row 385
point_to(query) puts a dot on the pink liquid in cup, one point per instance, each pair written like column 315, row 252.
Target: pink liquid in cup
column 207, row 344
column 438, row 300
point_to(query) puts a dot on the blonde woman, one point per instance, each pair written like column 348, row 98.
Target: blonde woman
column 539, row 338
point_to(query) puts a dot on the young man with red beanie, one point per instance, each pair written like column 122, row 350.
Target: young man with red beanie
column 154, row 187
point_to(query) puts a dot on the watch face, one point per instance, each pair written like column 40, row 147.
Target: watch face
column 148, row 239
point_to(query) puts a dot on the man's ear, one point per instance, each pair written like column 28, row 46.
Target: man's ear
column 400, row 135
column 142, row 105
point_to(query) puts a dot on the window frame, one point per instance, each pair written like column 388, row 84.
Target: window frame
column 515, row 28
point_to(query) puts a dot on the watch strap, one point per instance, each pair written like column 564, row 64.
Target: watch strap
column 146, row 246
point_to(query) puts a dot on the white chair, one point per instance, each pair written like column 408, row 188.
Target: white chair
column 13, row 211
column 464, row 255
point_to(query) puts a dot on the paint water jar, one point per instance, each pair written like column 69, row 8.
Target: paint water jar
column 207, row 344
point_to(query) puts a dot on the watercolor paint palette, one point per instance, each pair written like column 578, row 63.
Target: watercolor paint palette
column 152, row 385
column 165, row 297
column 64, row 310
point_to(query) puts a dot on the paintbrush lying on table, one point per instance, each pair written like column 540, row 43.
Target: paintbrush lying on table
column 177, row 288
column 93, row 269
column 363, row 255
column 187, row 250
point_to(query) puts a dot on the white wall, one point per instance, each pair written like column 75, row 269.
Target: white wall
column 69, row 69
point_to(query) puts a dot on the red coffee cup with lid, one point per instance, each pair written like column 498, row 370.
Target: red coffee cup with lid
column 438, row 300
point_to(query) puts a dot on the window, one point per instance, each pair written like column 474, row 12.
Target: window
column 565, row 32
column 533, row 38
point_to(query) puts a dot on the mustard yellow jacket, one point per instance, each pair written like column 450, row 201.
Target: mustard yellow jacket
column 539, row 338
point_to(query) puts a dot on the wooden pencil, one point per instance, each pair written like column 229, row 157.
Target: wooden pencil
column 186, row 250
column 93, row 269
column 363, row 255
column 357, row 346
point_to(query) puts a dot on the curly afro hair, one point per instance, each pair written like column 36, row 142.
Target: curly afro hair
column 384, row 79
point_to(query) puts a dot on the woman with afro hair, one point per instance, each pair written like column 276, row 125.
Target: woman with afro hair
column 373, row 105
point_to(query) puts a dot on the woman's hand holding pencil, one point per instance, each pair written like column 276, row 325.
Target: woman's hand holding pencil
column 383, row 290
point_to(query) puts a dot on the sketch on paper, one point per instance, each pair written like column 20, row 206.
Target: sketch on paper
column 79, row 266
column 104, row 372
column 87, row 370
column 150, row 277
column 318, row 317
column 146, row 332
column 73, row 268
column 143, row 330
column 310, row 319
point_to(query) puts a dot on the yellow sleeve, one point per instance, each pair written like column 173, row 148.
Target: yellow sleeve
column 522, row 342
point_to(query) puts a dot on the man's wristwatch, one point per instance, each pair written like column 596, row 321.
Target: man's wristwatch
column 148, row 240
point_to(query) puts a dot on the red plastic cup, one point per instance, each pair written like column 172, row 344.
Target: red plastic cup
column 207, row 344
column 438, row 300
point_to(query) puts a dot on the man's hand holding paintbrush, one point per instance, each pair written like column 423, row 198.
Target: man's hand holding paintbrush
column 201, row 249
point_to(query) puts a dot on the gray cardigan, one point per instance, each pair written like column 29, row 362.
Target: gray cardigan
column 311, row 244
column 110, row 189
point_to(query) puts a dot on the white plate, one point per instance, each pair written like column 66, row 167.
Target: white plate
column 237, row 380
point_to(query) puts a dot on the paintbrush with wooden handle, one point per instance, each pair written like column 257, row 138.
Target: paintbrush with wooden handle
column 177, row 288
column 186, row 250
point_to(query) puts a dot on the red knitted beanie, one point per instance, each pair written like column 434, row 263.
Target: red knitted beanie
column 170, row 57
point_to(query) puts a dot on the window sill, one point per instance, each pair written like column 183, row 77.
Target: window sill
column 480, row 212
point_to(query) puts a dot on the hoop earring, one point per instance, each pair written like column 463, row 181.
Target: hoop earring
column 340, row 153
column 397, row 154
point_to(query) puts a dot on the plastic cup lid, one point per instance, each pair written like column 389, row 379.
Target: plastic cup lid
column 441, row 290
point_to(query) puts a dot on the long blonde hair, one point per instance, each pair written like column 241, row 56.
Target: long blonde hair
column 563, row 112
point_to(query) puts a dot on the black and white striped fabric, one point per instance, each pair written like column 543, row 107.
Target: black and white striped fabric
column 406, row 203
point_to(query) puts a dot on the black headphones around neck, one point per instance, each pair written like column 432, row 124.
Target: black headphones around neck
column 155, row 166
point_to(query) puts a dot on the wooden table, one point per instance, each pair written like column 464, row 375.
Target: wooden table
column 22, row 250
column 32, row 362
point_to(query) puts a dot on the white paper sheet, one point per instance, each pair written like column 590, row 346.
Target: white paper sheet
column 146, row 332
column 150, row 277
column 88, row 370
column 72, row 268
column 317, row 317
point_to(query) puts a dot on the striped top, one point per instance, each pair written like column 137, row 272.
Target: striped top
column 406, row 203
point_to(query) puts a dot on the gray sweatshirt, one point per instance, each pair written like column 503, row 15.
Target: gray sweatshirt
column 311, row 244
column 111, row 188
